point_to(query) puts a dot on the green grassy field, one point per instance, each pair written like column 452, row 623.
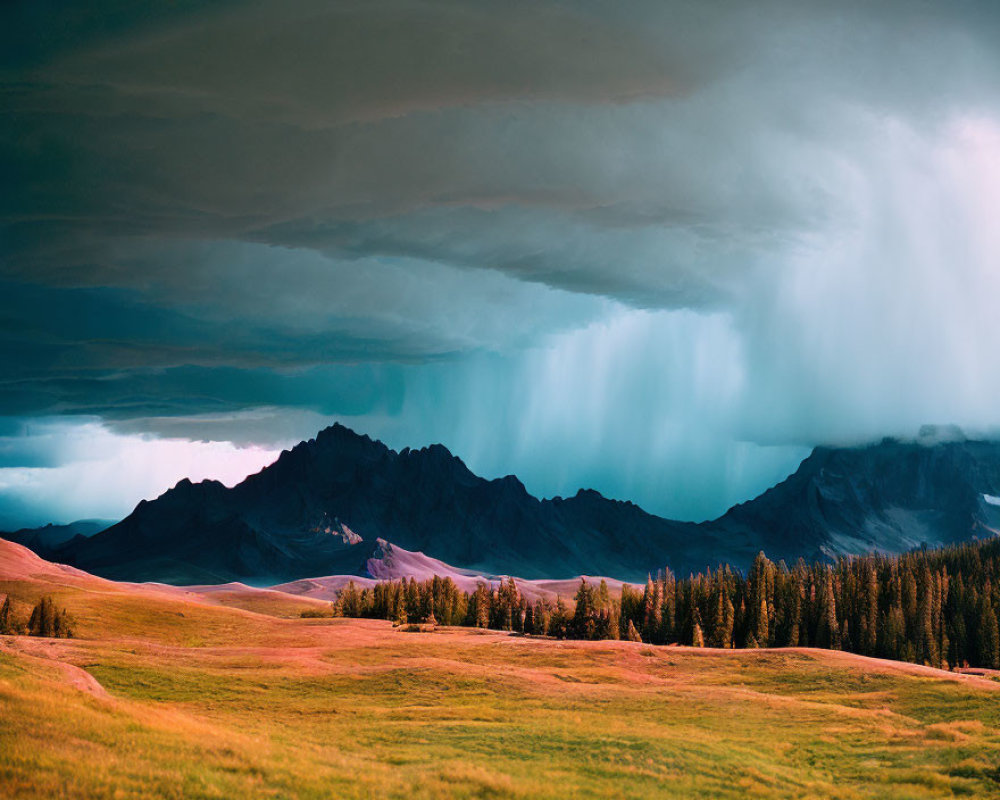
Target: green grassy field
column 175, row 697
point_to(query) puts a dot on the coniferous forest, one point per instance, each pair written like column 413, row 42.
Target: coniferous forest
column 935, row 607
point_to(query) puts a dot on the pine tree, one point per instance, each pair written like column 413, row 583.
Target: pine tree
column 697, row 635
column 63, row 627
column 483, row 597
column 651, row 611
column 508, row 605
column 560, row 620
column 540, row 618
column 43, row 618
column 795, row 611
column 722, row 627
column 757, row 592
column 869, row 614
column 350, row 600
column 761, row 629
column 909, row 598
column 49, row 618
column 668, row 607
column 611, row 610
column 728, row 623
column 893, row 637
column 631, row 634
column 989, row 635
column 827, row 632
column 6, row 622
column 584, row 625
column 715, row 630
column 35, row 621
column 927, row 643
column 940, row 618
column 412, row 601
column 957, row 631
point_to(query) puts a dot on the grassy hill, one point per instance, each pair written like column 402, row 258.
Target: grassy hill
column 172, row 693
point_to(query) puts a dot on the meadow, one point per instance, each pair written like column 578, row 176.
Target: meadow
column 176, row 694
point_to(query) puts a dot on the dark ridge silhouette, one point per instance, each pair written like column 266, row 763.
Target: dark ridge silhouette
column 49, row 537
column 322, row 506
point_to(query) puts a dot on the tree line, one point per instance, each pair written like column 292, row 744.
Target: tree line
column 45, row 620
column 935, row 607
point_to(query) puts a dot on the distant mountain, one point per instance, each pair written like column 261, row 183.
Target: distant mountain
column 322, row 506
column 319, row 509
column 49, row 537
column 888, row 497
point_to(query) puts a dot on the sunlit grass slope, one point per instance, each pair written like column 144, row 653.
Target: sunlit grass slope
column 171, row 696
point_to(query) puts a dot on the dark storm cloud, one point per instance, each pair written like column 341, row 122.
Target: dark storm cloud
column 319, row 64
column 449, row 218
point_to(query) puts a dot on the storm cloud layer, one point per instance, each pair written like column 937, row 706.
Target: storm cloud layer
column 656, row 248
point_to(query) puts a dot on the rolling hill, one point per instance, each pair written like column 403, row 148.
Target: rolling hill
column 170, row 693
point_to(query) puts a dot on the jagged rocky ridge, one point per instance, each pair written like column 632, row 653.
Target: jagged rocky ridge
column 322, row 506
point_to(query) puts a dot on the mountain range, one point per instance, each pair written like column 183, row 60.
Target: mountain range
column 48, row 538
column 329, row 504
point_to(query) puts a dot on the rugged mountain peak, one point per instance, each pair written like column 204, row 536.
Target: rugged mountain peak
column 891, row 496
column 184, row 491
column 328, row 504
column 437, row 452
column 340, row 434
column 511, row 485
column 341, row 440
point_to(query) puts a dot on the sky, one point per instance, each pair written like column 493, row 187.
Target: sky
column 660, row 249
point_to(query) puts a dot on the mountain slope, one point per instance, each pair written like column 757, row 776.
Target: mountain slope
column 322, row 506
column 888, row 497
column 319, row 509
column 391, row 562
column 50, row 536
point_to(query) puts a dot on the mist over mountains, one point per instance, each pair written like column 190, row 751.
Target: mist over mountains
column 321, row 508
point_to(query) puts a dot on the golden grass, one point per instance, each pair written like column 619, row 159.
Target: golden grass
column 206, row 701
